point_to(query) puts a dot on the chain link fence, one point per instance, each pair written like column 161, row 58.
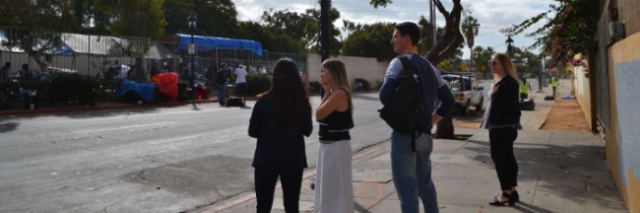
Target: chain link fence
column 117, row 57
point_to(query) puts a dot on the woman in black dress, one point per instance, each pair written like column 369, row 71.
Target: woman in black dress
column 280, row 120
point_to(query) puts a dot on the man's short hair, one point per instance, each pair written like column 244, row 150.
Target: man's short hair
column 411, row 29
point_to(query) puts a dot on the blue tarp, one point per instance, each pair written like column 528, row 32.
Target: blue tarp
column 210, row 43
column 145, row 90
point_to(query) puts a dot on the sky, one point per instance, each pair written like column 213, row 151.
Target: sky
column 492, row 15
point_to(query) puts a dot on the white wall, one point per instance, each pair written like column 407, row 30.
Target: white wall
column 357, row 67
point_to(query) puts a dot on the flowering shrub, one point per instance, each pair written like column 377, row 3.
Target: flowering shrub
column 571, row 31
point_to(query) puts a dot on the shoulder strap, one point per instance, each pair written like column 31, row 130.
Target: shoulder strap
column 406, row 63
column 347, row 94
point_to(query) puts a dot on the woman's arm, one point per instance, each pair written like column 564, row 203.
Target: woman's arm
column 255, row 123
column 307, row 126
column 330, row 103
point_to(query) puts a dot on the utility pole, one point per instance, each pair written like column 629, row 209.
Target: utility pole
column 324, row 33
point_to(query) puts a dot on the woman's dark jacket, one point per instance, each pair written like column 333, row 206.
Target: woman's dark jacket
column 277, row 148
column 505, row 103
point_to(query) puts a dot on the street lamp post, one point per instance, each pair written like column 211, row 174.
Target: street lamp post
column 509, row 47
column 192, row 27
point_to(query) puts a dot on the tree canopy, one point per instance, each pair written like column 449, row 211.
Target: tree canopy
column 292, row 23
column 215, row 17
column 312, row 29
column 273, row 38
column 571, row 31
column 140, row 18
column 369, row 40
column 40, row 23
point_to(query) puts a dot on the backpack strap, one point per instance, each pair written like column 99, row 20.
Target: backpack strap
column 406, row 63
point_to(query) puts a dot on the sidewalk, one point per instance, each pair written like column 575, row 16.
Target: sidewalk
column 559, row 171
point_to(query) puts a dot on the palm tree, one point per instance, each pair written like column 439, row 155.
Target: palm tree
column 470, row 28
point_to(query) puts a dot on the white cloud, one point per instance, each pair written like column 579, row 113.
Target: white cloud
column 491, row 14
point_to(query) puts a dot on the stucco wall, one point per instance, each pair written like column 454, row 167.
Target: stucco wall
column 582, row 92
column 623, row 137
column 357, row 67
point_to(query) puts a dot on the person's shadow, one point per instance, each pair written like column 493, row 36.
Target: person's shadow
column 525, row 207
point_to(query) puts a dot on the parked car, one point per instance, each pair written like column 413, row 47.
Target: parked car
column 466, row 92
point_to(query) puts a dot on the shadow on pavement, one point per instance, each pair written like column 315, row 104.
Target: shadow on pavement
column 567, row 171
column 523, row 207
column 8, row 127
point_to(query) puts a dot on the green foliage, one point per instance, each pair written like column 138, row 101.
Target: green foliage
column 481, row 57
column 88, row 19
column 73, row 88
column 569, row 32
column 140, row 18
column 33, row 17
column 369, row 40
column 445, row 65
column 272, row 38
column 291, row 22
column 470, row 29
column 315, row 86
column 361, row 85
column 215, row 17
column 182, row 91
column 312, row 29
column 9, row 88
column 258, row 83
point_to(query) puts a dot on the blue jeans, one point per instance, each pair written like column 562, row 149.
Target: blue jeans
column 222, row 93
column 412, row 172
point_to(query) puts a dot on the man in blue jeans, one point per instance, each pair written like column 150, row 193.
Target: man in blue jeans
column 412, row 170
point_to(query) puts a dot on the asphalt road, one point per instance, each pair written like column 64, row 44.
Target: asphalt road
column 114, row 161
column 170, row 159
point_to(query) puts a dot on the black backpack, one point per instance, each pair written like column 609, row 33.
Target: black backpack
column 401, row 112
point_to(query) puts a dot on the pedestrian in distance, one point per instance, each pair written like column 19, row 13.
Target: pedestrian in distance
column 333, row 184
column 222, row 78
column 525, row 87
column 5, row 72
column 554, row 85
column 241, row 83
column 502, row 119
column 410, row 163
column 280, row 120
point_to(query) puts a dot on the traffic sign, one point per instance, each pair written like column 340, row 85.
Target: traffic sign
column 192, row 49
column 463, row 67
column 483, row 68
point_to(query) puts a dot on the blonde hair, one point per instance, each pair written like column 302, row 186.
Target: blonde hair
column 506, row 64
column 339, row 76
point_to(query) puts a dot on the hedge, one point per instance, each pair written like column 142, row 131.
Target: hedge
column 258, row 83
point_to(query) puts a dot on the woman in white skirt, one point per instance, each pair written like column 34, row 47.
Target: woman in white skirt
column 333, row 184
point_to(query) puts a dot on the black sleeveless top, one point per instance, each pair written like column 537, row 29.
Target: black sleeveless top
column 336, row 126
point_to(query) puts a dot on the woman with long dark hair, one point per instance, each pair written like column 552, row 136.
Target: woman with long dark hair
column 333, row 187
column 502, row 119
column 280, row 120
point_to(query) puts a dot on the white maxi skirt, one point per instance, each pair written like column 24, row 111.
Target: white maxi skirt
column 334, row 185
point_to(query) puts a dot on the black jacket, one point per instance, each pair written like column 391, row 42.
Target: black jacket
column 277, row 148
column 505, row 103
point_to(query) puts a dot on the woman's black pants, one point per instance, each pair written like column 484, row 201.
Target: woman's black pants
column 265, row 182
column 501, row 141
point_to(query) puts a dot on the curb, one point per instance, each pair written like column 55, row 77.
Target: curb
column 124, row 106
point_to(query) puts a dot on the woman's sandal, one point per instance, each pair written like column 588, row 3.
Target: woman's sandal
column 497, row 202
column 514, row 195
